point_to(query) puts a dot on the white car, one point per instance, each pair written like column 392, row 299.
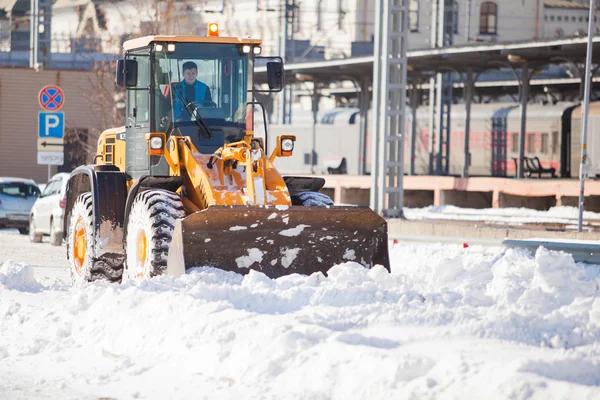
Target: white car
column 17, row 196
column 47, row 213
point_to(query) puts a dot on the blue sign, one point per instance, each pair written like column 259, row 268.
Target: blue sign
column 51, row 125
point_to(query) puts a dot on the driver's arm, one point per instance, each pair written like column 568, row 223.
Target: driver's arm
column 207, row 95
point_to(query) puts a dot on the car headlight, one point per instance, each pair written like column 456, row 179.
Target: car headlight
column 156, row 143
column 287, row 145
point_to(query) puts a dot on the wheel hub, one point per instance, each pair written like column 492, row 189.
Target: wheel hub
column 142, row 252
column 79, row 245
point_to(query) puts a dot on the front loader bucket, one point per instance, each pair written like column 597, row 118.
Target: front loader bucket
column 278, row 240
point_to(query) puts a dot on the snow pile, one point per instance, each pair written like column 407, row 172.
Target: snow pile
column 447, row 322
column 17, row 277
column 563, row 214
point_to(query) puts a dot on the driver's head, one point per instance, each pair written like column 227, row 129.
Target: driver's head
column 190, row 72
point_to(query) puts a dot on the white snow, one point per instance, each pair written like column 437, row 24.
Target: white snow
column 254, row 255
column 349, row 255
column 238, row 228
column 288, row 256
column 293, row 231
column 514, row 216
column 448, row 322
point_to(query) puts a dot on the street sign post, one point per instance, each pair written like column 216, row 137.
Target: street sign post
column 51, row 127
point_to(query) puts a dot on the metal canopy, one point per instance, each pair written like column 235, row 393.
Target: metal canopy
column 478, row 57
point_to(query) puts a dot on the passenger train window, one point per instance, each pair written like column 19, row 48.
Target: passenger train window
column 515, row 143
column 544, row 143
column 531, row 143
column 554, row 142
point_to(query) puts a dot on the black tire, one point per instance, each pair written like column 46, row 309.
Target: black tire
column 24, row 231
column 149, row 232
column 33, row 236
column 81, row 249
column 56, row 238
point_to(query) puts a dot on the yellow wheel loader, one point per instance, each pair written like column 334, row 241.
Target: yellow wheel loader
column 188, row 182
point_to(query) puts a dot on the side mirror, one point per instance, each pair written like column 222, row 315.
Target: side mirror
column 126, row 73
column 275, row 76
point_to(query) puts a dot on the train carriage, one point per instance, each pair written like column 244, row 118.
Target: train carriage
column 553, row 135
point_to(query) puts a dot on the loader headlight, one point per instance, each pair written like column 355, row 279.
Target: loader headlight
column 156, row 143
column 287, row 145
column 246, row 49
column 257, row 50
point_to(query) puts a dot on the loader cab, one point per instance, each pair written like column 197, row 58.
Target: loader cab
column 160, row 99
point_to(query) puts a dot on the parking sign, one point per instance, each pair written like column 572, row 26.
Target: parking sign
column 51, row 133
column 51, row 125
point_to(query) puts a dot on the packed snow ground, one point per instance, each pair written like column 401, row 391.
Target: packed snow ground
column 448, row 322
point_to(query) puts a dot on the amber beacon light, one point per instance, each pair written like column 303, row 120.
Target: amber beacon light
column 213, row 29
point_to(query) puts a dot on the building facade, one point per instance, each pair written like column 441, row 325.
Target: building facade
column 316, row 29
column 88, row 107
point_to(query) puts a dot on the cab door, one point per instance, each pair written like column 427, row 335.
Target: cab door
column 138, row 117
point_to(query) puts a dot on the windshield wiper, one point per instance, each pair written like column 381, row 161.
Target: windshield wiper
column 190, row 109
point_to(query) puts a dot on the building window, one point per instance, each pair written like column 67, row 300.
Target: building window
column 544, row 143
column 531, row 143
column 320, row 15
column 545, row 18
column 455, row 17
column 515, row 143
column 580, row 19
column 574, row 18
column 413, row 15
column 552, row 18
column 341, row 14
column 559, row 18
column 297, row 19
column 488, row 18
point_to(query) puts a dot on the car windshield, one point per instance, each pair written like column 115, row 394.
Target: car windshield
column 19, row 189
column 206, row 80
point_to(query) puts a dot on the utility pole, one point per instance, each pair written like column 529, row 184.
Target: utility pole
column 583, row 166
column 440, row 91
column 40, row 34
column 390, row 68
column 288, row 24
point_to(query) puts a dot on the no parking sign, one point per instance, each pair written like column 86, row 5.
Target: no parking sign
column 51, row 126
column 51, row 98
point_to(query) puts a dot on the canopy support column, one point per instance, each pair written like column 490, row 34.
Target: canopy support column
column 525, row 77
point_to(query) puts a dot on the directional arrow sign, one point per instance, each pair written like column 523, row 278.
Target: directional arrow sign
column 50, row 144
column 44, row 143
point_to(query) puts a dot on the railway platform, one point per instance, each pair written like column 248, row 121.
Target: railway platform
column 475, row 192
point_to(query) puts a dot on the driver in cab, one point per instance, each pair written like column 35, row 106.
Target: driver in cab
column 191, row 89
